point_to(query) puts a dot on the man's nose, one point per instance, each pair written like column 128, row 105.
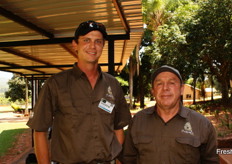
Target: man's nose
column 92, row 44
column 165, row 86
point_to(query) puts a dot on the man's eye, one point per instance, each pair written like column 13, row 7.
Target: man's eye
column 86, row 40
column 172, row 82
column 158, row 84
column 99, row 41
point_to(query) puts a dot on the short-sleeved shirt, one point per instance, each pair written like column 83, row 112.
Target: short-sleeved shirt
column 82, row 132
column 188, row 138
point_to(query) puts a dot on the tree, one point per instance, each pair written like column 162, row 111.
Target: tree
column 156, row 12
column 197, row 39
column 17, row 89
column 154, row 15
column 211, row 39
column 170, row 45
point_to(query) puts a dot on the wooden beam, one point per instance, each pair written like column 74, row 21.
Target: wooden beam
column 55, row 41
column 120, row 12
column 11, row 65
column 25, row 23
column 26, row 56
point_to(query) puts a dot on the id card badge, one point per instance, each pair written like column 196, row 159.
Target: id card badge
column 106, row 105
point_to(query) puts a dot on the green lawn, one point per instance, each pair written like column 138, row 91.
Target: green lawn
column 7, row 139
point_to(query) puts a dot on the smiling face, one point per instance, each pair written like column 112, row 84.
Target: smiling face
column 89, row 47
column 167, row 90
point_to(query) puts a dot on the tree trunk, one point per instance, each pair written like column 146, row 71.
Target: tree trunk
column 141, row 90
column 225, row 91
column 194, row 90
column 26, row 113
column 212, row 85
column 131, row 82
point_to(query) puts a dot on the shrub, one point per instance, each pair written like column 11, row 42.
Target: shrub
column 17, row 108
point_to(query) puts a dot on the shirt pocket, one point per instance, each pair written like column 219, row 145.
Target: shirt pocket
column 143, row 143
column 105, row 118
column 191, row 141
column 189, row 149
column 67, row 118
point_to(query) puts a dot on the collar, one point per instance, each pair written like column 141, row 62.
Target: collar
column 183, row 111
column 78, row 72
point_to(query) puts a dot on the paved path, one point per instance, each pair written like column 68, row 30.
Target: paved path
column 12, row 117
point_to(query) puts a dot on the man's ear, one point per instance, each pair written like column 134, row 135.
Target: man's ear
column 74, row 45
column 152, row 92
column 182, row 89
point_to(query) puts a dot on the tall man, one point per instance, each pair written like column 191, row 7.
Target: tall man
column 169, row 133
column 84, row 106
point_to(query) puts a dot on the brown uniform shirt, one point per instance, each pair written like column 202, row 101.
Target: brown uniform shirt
column 81, row 131
column 188, row 138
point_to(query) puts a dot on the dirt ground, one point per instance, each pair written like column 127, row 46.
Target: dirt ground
column 223, row 132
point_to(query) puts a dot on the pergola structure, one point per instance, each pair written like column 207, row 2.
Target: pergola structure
column 36, row 35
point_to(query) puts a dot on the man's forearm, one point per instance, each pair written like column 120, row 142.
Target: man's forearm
column 41, row 147
column 120, row 136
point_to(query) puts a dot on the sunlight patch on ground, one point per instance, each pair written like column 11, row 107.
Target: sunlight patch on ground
column 8, row 126
column 10, row 120
column 6, row 108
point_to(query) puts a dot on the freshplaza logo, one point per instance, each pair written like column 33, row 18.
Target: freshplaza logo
column 224, row 151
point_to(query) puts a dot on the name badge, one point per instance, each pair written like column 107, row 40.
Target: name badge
column 106, row 105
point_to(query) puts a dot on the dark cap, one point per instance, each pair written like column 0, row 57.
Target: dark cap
column 166, row 68
column 86, row 27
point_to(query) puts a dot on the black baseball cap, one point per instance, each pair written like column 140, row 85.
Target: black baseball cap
column 166, row 68
column 86, row 27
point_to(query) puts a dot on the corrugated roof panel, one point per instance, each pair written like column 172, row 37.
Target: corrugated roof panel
column 59, row 18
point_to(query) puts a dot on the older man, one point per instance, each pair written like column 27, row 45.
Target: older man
column 168, row 132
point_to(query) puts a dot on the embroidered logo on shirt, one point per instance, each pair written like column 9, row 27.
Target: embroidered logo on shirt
column 31, row 115
column 109, row 93
column 187, row 128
